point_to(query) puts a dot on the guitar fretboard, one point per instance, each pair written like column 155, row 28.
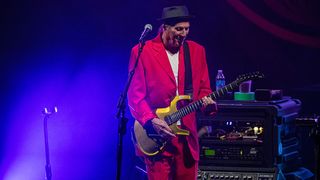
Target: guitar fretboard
column 192, row 107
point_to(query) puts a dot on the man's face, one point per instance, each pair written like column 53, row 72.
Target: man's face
column 175, row 35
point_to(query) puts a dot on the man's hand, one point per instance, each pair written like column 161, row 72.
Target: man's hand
column 162, row 128
column 207, row 100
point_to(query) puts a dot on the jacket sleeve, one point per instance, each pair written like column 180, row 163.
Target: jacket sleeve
column 205, row 88
column 139, row 107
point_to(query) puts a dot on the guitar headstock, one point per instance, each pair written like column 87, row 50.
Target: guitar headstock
column 250, row 76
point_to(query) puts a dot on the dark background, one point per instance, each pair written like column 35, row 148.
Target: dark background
column 74, row 55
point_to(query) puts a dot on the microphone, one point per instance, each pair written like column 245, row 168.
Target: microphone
column 146, row 31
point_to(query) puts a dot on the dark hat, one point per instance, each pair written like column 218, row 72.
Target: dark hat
column 175, row 13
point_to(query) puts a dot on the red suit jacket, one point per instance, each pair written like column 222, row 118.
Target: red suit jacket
column 153, row 85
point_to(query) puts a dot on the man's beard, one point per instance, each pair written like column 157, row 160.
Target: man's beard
column 179, row 39
column 174, row 43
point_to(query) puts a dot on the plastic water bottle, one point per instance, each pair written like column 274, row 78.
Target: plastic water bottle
column 220, row 80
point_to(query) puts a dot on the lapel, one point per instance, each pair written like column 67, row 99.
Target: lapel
column 162, row 57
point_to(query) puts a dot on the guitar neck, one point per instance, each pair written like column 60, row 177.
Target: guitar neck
column 192, row 107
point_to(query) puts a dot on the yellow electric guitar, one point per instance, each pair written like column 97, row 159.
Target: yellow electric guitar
column 150, row 143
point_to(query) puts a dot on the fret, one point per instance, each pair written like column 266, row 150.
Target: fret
column 184, row 111
column 199, row 104
column 194, row 106
column 214, row 95
column 179, row 115
column 226, row 88
column 189, row 109
column 231, row 86
column 167, row 119
column 176, row 116
column 171, row 120
column 173, row 117
column 222, row 91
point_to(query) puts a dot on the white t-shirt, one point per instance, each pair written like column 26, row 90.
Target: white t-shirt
column 174, row 62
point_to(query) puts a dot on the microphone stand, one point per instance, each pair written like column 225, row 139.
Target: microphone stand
column 121, row 112
column 46, row 142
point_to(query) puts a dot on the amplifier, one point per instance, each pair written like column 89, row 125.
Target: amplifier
column 251, row 134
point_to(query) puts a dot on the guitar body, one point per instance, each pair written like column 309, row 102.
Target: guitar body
column 149, row 141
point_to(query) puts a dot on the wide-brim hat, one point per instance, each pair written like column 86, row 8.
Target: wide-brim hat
column 175, row 13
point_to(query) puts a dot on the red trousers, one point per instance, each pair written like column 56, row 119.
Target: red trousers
column 178, row 166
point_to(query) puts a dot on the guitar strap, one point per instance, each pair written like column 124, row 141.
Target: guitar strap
column 188, row 90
